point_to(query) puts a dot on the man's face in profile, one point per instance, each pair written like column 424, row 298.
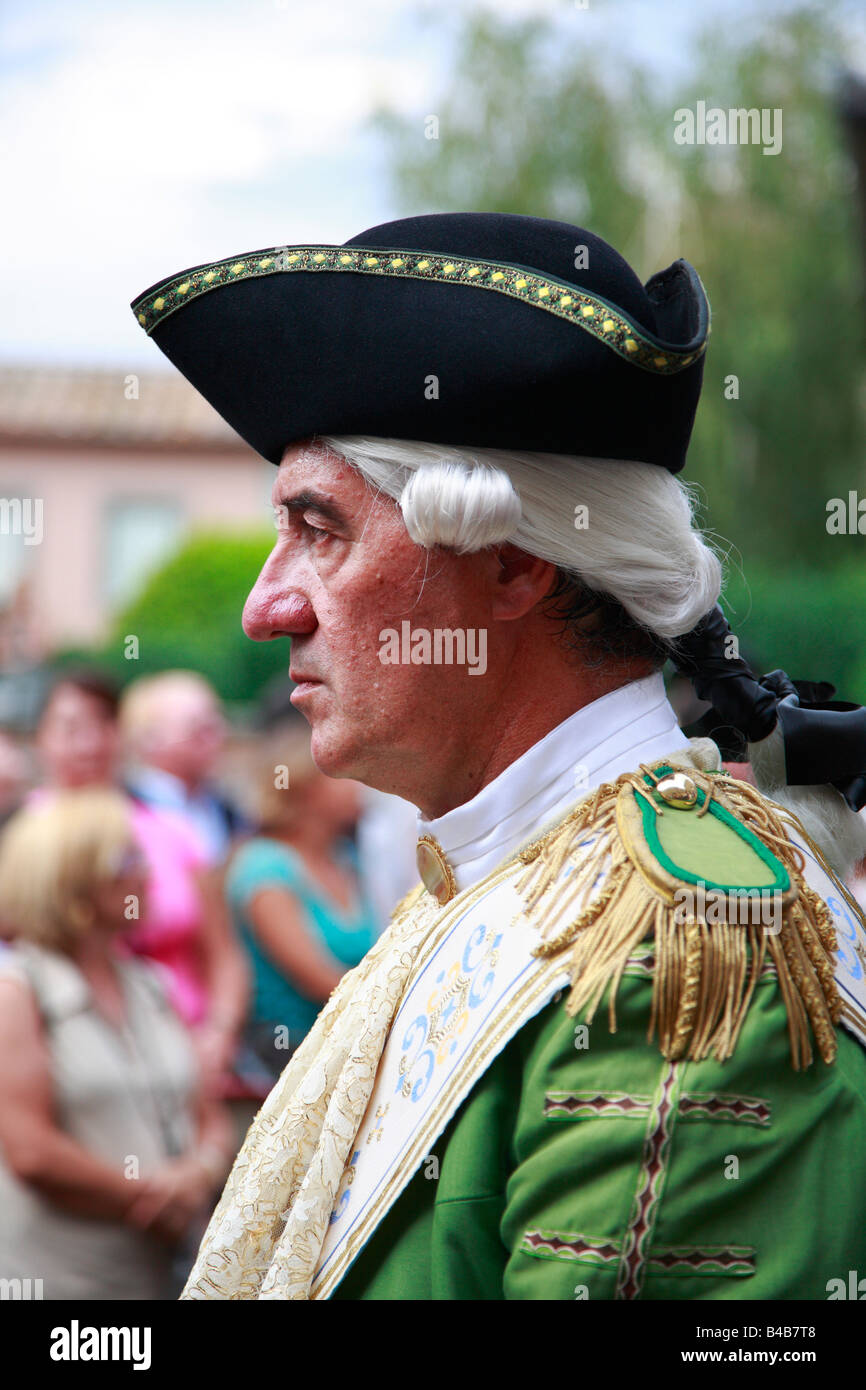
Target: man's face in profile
column 342, row 570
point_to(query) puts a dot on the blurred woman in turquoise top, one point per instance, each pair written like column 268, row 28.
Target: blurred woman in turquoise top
column 294, row 894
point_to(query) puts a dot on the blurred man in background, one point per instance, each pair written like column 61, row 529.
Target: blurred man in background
column 175, row 733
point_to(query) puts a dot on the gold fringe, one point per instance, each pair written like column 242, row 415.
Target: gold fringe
column 705, row 972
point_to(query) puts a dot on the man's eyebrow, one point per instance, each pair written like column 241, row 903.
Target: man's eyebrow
column 316, row 502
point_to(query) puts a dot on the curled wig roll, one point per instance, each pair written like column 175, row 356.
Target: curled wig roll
column 639, row 545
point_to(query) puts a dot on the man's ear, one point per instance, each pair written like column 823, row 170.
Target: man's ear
column 522, row 581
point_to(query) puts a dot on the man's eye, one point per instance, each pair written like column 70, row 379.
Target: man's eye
column 283, row 520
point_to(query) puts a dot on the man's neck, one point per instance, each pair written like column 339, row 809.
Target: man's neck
column 614, row 734
column 517, row 730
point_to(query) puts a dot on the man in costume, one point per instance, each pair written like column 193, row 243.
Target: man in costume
column 612, row 1045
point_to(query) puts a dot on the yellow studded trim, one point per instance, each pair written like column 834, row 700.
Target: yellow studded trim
column 594, row 315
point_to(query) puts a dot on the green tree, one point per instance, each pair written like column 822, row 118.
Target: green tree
column 188, row 615
column 777, row 239
column 528, row 124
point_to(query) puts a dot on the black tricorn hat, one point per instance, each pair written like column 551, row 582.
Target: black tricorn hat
column 486, row 330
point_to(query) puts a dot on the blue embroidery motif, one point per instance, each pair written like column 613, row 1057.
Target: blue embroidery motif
column 434, row 1035
column 848, row 957
column 346, row 1193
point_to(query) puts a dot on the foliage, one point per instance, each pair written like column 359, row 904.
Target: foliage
column 531, row 124
column 189, row 615
column 811, row 625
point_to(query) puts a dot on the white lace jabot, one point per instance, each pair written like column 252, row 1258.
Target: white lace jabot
column 613, row 734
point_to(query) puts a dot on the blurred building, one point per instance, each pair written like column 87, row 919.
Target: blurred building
column 102, row 476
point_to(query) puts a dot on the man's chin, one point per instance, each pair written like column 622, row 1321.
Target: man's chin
column 332, row 756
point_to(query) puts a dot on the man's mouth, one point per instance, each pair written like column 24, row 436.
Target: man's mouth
column 303, row 684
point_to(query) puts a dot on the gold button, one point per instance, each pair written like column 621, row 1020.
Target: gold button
column 678, row 790
column 436, row 873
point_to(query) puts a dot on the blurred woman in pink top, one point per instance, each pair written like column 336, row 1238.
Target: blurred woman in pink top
column 184, row 929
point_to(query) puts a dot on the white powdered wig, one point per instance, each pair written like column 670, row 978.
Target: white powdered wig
column 640, row 545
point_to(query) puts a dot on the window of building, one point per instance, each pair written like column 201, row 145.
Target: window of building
column 140, row 534
column 20, row 533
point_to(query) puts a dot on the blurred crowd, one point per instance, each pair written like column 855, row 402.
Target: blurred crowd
column 177, row 901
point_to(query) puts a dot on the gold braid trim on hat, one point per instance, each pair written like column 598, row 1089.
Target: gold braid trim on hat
column 705, row 971
column 561, row 298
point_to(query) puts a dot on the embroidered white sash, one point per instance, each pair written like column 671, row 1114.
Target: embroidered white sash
column 850, row 924
column 477, row 985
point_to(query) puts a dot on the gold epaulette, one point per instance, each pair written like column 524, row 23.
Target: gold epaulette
column 679, row 853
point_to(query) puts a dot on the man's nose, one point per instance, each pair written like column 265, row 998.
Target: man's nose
column 273, row 610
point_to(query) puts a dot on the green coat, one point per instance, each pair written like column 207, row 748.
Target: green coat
column 750, row 1184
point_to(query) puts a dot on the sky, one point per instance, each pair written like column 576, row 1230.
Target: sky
column 140, row 138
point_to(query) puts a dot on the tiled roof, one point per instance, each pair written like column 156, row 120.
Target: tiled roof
column 78, row 405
